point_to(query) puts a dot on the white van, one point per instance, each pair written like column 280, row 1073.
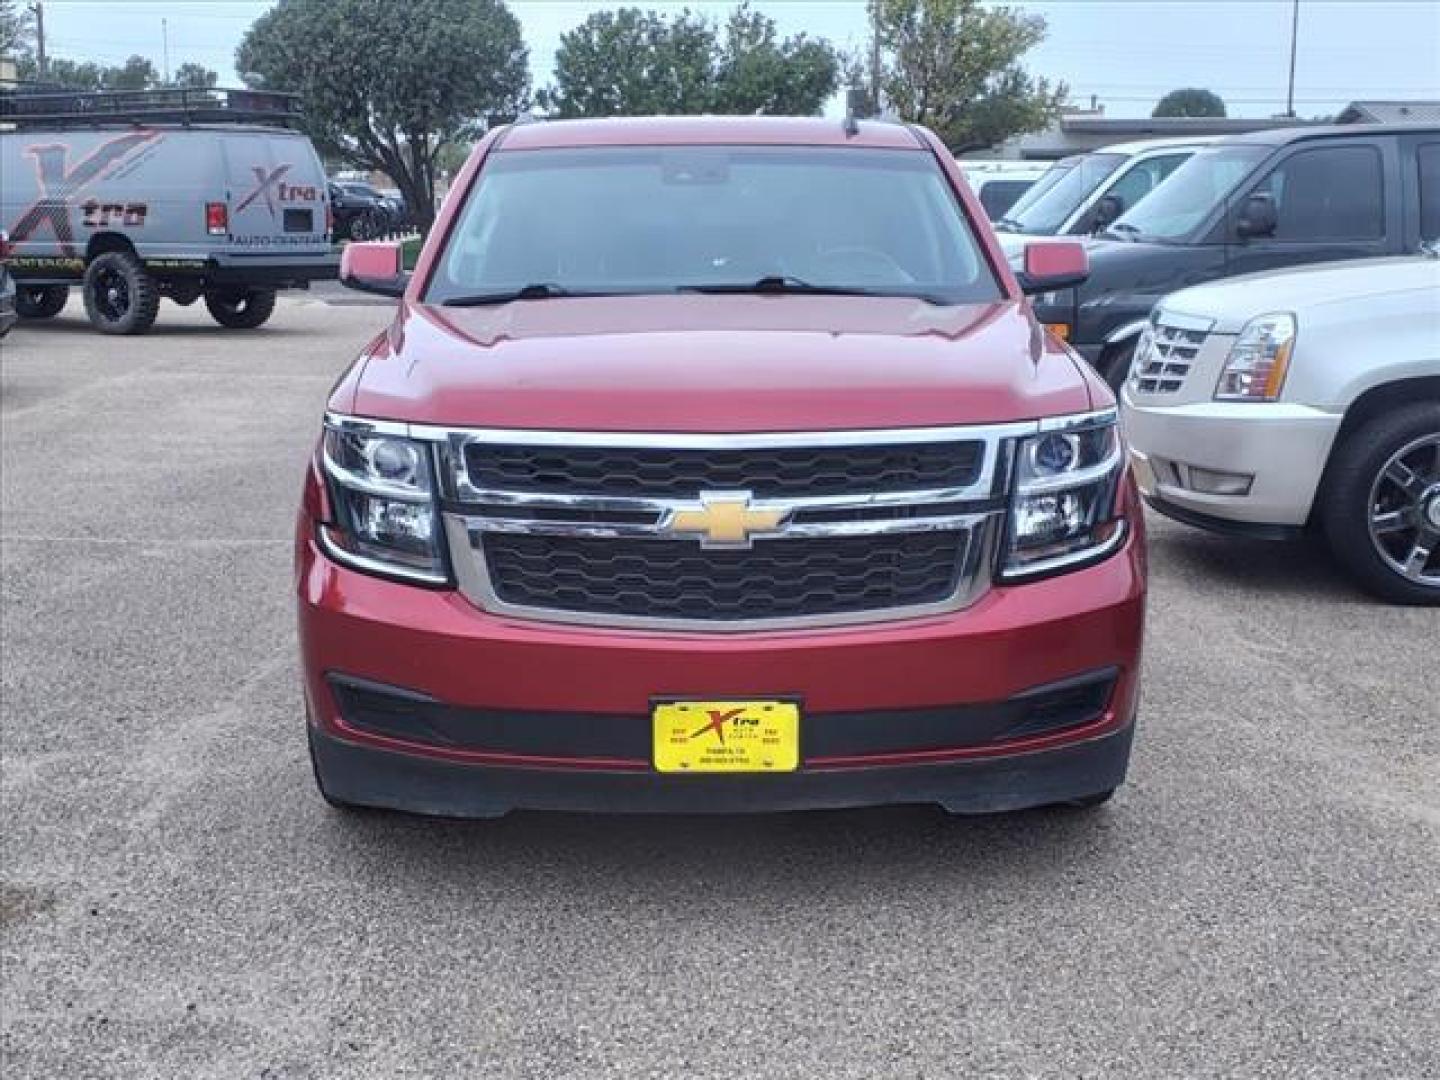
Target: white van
column 1000, row 184
column 1083, row 194
column 176, row 193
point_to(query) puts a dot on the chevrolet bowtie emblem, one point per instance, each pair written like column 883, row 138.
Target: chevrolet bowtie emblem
column 724, row 519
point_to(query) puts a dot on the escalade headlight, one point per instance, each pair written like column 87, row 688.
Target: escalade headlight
column 1259, row 360
column 1062, row 506
column 382, row 489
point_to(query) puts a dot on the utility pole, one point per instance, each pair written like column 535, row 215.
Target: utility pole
column 165, row 46
column 39, row 9
column 1294, row 36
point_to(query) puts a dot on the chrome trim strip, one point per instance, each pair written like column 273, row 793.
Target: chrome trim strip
column 1179, row 321
column 628, row 440
column 375, row 566
column 1126, row 332
column 473, row 576
column 657, row 530
column 981, row 490
column 1062, row 562
column 1099, row 418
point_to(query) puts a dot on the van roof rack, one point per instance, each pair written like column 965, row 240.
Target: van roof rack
column 34, row 106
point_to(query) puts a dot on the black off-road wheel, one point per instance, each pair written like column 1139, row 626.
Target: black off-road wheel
column 40, row 301
column 120, row 297
column 1381, row 507
column 242, row 309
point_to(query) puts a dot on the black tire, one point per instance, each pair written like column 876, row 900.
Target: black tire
column 242, row 310
column 1364, row 482
column 40, row 301
column 1115, row 366
column 120, row 297
column 363, row 227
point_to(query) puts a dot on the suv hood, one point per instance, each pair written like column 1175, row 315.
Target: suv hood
column 1234, row 301
column 714, row 364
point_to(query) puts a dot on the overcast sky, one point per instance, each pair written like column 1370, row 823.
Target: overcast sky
column 1125, row 52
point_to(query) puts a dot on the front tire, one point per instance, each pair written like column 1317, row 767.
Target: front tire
column 1381, row 505
column 40, row 301
column 243, row 310
column 120, row 297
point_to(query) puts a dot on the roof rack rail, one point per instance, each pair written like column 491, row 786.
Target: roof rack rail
column 34, row 106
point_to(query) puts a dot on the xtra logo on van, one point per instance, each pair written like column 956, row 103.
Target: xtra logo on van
column 59, row 184
column 270, row 185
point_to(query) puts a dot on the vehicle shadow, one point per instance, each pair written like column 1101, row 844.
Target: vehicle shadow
column 1301, row 567
column 816, row 851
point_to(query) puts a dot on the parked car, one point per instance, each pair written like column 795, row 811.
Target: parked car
column 1261, row 201
column 139, row 195
column 7, row 289
column 1272, row 403
column 998, row 184
column 358, row 216
column 759, row 490
column 1083, row 194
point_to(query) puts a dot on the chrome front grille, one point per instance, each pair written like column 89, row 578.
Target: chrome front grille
column 724, row 532
column 1166, row 352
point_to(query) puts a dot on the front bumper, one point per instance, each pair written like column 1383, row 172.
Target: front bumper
column 1281, row 448
column 433, row 644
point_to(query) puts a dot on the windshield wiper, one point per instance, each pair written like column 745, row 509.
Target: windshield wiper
column 781, row 283
column 1007, row 224
column 540, row 290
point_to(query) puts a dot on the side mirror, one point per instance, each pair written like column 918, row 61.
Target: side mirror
column 1257, row 217
column 1051, row 265
column 374, row 268
column 1107, row 209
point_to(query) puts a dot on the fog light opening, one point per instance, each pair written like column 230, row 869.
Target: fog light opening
column 1217, row 482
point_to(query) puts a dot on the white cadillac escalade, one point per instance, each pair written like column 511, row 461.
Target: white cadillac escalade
column 1307, row 398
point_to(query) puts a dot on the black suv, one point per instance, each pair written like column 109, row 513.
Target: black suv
column 1255, row 202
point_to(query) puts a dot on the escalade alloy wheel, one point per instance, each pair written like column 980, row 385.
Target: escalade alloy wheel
column 1383, row 509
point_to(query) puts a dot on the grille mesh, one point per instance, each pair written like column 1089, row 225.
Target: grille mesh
column 681, row 580
column 1163, row 368
column 772, row 472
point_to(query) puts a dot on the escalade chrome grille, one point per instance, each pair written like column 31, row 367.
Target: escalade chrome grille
column 724, row 532
column 1174, row 343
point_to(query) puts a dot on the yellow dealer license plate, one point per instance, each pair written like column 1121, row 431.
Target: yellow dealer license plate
column 727, row 736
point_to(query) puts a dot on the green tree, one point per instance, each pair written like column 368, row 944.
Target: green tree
column 70, row 74
column 17, row 26
column 1190, row 101
column 194, row 76
column 387, row 86
column 137, row 73
column 630, row 62
column 954, row 66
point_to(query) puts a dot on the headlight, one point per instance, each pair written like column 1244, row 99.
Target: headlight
column 382, row 490
column 1259, row 360
column 1062, row 508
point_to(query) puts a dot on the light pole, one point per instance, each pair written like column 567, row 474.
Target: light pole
column 1294, row 36
column 39, row 11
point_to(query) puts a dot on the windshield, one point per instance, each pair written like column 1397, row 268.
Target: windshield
column 1190, row 194
column 1043, row 214
column 660, row 219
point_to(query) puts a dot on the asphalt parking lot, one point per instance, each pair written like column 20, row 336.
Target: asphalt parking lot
column 1259, row 900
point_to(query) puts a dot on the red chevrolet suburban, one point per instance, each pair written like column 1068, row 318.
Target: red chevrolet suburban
column 717, row 464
